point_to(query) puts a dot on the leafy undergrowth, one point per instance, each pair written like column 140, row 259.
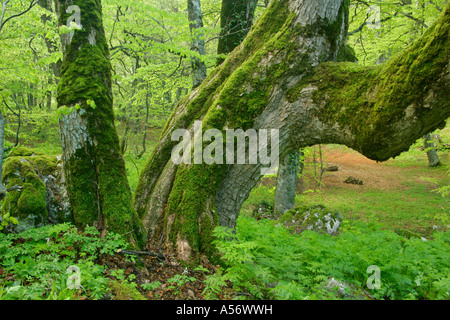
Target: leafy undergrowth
column 45, row 263
column 262, row 260
column 267, row 261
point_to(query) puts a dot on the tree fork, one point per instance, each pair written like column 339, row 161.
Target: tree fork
column 279, row 78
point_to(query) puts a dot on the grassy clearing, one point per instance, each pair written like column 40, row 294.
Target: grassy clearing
column 399, row 194
column 386, row 222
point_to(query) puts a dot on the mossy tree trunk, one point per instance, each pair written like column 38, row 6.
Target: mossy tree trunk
column 279, row 78
column 290, row 166
column 95, row 170
column 2, row 154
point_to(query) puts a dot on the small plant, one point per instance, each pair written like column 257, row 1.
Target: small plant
column 151, row 285
column 6, row 220
column 178, row 281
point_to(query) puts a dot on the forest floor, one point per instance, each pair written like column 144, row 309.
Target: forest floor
column 172, row 279
column 397, row 193
column 375, row 175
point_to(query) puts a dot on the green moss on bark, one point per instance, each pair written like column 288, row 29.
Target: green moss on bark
column 238, row 67
column 370, row 100
column 191, row 213
column 98, row 188
column 233, row 96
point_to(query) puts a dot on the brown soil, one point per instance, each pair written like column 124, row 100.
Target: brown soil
column 352, row 164
column 149, row 269
column 373, row 174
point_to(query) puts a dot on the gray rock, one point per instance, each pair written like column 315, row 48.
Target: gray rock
column 36, row 187
column 317, row 218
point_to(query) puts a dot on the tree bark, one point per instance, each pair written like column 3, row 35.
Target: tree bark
column 430, row 148
column 94, row 167
column 279, row 78
column 2, row 153
column 286, row 183
column 198, row 43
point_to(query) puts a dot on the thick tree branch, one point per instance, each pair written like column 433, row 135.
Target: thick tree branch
column 381, row 111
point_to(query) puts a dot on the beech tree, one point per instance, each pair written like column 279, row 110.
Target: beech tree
column 430, row 148
column 286, row 183
column 94, row 167
column 281, row 77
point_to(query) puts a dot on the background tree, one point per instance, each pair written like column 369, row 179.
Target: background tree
column 287, row 176
column 431, row 150
column 236, row 19
column 198, row 41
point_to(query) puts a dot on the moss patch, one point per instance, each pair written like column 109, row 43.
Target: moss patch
column 22, row 170
column 122, row 291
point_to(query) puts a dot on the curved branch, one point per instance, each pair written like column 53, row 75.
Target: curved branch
column 381, row 111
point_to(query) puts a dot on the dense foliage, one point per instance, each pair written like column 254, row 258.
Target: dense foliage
column 264, row 260
column 150, row 45
column 35, row 264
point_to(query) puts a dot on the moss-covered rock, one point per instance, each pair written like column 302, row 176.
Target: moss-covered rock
column 36, row 193
column 123, row 291
column 317, row 218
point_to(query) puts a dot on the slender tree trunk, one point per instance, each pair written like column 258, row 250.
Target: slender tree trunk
column 198, row 43
column 430, row 147
column 286, row 183
column 147, row 115
column 94, row 167
column 2, row 153
column 279, row 78
column 236, row 19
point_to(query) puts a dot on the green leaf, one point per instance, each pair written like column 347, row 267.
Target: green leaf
column 92, row 104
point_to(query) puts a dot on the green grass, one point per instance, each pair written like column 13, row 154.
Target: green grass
column 412, row 208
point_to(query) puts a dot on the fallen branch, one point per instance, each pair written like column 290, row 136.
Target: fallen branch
column 159, row 256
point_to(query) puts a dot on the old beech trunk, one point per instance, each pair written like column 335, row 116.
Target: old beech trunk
column 279, row 78
column 95, row 171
